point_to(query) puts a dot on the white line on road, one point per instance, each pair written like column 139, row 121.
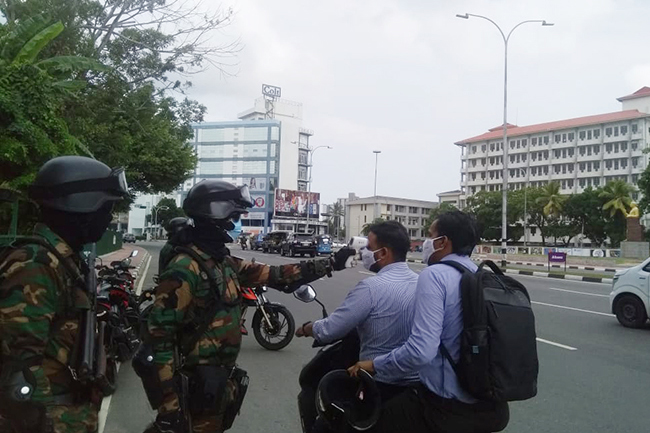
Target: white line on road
column 575, row 291
column 143, row 276
column 573, row 309
column 535, row 277
column 366, row 273
column 553, row 343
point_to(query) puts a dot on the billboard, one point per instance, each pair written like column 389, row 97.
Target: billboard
column 290, row 203
column 272, row 91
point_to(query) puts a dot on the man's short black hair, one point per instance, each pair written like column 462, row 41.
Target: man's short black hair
column 393, row 235
column 460, row 228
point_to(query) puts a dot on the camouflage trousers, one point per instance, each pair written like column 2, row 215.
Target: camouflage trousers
column 66, row 419
column 81, row 418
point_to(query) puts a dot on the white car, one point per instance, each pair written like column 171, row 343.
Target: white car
column 630, row 297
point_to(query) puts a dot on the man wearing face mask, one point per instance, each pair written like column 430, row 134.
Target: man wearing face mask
column 194, row 325
column 438, row 404
column 43, row 298
column 380, row 308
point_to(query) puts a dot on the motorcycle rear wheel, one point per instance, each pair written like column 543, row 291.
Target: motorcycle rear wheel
column 283, row 322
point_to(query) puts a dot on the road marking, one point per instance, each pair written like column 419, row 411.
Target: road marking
column 143, row 276
column 367, row 273
column 553, row 343
column 607, row 281
column 103, row 411
column 575, row 291
column 573, row 309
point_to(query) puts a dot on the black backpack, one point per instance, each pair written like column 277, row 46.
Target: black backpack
column 498, row 347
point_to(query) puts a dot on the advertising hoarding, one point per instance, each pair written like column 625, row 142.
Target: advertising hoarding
column 291, row 203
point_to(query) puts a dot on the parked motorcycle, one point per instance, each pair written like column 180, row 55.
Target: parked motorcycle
column 337, row 355
column 273, row 324
column 117, row 317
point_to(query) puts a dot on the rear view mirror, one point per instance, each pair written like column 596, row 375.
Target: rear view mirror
column 134, row 253
column 305, row 293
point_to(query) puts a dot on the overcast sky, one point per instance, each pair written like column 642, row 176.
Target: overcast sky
column 409, row 78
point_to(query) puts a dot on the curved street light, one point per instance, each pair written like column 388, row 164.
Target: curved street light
column 156, row 209
column 504, row 210
column 310, row 166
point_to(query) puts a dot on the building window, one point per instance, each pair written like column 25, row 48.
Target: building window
column 634, row 145
column 635, row 128
column 533, row 141
column 608, row 165
column 582, row 183
column 635, row 179
column 473, row 149
column 546, row 140
column 570, row 183
column 557, row 138
column 616, row 131
column 608, row 147
column 624, row 147
column 582, row 135
column 483, row 161
column 473, row 163
column 582, row 166
column 571, row 136
column 365, row 218
column 524, row 142
column 623, row 163
column 596, row 149
column 623, row 129
column 492, row 147
column 635, row 161
column 589, row 135
column 596, row 133
column 608, row 132
column 615, row 147
column 483, row 147
column 564, row 138
column 512, row 144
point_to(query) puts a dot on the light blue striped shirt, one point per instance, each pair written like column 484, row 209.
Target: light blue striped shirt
column 381, row 308
column 438, row 318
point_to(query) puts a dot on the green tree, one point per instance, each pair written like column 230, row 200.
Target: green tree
column 585, row 211
column 32, row 124
column 552, row 199
column 617, row 195
column 486, row 207
column 336, row 213
column 537, row 219
column 433, row 215
column 366, row 227
column 172, row 211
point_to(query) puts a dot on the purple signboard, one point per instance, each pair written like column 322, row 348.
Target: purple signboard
column 556, row 257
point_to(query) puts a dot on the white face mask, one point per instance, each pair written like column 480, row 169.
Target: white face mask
column 428, row 249
column 368, row 257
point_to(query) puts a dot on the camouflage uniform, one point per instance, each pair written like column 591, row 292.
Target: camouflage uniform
column 39, row 322
column 180, row 290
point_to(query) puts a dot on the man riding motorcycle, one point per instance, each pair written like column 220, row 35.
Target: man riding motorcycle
column 193, row 327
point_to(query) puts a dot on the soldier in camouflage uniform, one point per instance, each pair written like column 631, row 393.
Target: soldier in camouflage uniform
column 215, row 207
column 41, row 302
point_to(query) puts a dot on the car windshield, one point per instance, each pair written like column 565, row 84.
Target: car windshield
column 301, row 237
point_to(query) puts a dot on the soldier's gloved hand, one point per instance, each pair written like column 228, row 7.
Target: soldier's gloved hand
column 171, row 422
column 341, row 257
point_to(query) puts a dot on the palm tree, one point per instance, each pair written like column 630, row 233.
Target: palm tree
column 551, row 199
column 618, row 195
column 337, row 212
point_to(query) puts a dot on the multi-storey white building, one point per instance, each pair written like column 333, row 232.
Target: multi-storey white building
column 263, row 153
column 577, row 153
column 411, row 213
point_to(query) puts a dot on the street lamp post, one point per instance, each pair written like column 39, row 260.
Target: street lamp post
column 525, row 174
column 504, row 210
column 311, row 160
column 155, row 216
column 374, row 197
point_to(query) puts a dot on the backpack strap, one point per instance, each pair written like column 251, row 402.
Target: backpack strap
column 443, row 350
column 208, row 314
column 74, row 274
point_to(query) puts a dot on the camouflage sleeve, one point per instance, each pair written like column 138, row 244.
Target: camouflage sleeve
column 28, row 299
column 286, row 278
column 173, row 297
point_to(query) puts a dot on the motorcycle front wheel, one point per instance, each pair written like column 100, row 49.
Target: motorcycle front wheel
column 280, row 333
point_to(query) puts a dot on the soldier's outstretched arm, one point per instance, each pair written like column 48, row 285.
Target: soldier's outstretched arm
column 173, row 297
column 288, row 278
column 28, row 299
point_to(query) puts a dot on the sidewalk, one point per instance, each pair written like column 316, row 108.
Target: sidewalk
column 121, row 254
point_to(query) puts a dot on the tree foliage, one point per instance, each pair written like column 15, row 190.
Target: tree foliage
column 122, row 113
column 558, row 217
column 433, row 215
column 365, row 230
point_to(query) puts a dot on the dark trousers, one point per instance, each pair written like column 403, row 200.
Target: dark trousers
column 418, row 410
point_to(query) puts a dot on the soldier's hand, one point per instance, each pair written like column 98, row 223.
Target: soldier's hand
column 340, row 259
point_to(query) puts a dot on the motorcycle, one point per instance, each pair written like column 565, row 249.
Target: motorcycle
column 273, row 324
column 117, row 317
column 242, row 242
column 340, row 354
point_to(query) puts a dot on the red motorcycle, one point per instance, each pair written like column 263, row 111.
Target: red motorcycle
column 273, row 324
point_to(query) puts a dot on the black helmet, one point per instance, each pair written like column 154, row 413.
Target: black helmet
column 345, row 401
column 217, row 200
column 77, row 184
column 177, row 224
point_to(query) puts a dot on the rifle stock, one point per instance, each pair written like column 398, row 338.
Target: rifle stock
column 84, row 352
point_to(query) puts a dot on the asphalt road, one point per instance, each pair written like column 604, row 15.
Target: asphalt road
column 594, row 374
